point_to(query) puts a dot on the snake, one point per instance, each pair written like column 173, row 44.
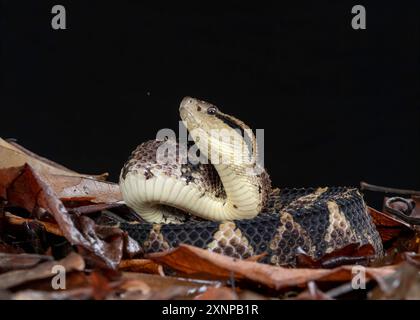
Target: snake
column 212, row 191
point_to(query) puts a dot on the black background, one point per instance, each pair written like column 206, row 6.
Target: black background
column 338, row 105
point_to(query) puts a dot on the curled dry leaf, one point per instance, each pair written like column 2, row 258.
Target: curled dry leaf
column 66, row 183
column 73, row 262
column 25, row 188
column 388, row 227
column 195, row 261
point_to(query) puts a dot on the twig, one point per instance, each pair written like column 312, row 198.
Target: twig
column 372, row 187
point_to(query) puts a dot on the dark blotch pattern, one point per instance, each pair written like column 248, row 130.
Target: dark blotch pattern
column 317, row 221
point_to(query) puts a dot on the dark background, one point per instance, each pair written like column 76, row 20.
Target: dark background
column 338, row 105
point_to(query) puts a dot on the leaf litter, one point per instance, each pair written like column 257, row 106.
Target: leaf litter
column 49, row 216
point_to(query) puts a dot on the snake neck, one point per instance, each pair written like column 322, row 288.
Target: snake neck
column 243, row 195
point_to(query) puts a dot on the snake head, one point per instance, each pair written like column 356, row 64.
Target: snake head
column 220, row 137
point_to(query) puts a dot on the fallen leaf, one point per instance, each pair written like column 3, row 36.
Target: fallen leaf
column 14, row 155
column 164, row 288
column 44, row 270
column 350, row 254
column 100, row 285
column 13, row 261
column 83, row 293
column 403, row 284
column 416, row 211
column 66, row 183
column 49, row 226
column 312, row 293
column 25, row 188
column 195, row 261
column 76, row 188
column 388, row 227
column 142, row 266
column 222, row 293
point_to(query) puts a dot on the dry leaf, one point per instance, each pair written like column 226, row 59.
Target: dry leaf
column 312, row 293
column 350, row 254
column 164, row 288
column 222, row 293
column 13, row 261
column 14, row 155
column 141, row 265
column 44, row 270
column 76, row 188
column 83, row 293
column 195, row 261
column 388, row 227
column 25, row 188
column 66, row 183
column 49, row 226
column 403, row 284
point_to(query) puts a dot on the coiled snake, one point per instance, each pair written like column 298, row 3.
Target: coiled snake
column 228, row 205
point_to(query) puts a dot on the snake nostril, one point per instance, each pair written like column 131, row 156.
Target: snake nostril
column 198, row 108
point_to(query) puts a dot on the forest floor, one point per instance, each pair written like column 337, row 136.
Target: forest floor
column 52, row 246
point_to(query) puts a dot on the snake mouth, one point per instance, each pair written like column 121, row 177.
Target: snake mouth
column 187, row 115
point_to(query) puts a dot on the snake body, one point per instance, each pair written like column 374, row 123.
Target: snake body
column 227, row 204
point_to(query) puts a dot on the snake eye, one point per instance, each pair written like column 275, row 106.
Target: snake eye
column 211, row 110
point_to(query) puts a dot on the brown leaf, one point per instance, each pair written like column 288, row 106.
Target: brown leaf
column 388, row 227
column 7, row 248
column 104, row 244
column 66, row 183
column 134, row 288
column 313, row 293
column 195, row 261
column 222, row 293
column 82, row 293
column 49, row 227
column 25, row 188
column 403, row 284
column 100, row 285
column 44, row 270
column 76, row 188
column 13, row 261
column 141, row 265
column 14, row 155
column 350, row 254
column 149, row 286
column 416, row 211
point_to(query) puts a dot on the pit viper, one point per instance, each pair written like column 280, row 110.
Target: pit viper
column 215, row 194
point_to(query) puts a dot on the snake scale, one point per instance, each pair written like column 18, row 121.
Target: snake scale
column 227, row 204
